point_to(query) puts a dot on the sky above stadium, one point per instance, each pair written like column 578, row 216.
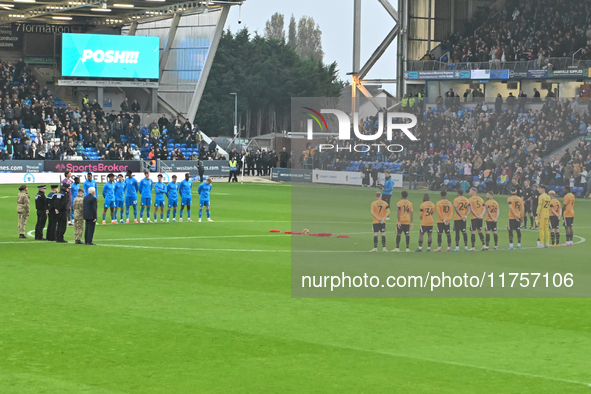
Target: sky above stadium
column 335, row 18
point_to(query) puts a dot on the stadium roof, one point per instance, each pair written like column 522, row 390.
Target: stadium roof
column 101, row 12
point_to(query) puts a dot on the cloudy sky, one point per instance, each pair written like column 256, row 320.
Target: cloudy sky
column 335, row 18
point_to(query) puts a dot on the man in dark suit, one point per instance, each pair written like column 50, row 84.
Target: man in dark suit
column 90, row 207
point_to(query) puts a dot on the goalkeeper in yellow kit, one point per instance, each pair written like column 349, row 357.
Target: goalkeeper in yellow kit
column 543, row 215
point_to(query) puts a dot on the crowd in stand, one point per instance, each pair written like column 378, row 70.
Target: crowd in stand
column 38, row 126
column 480, row 145
column 526, row 30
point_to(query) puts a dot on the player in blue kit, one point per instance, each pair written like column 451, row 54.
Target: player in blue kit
column 204, row 191
column 172, row 192
column 88, row 183
column 131, row 189
column 185, row 191
column 119, row 197
column 109, row 195
column 160, row 189
column 146, row 192
column 74, row 192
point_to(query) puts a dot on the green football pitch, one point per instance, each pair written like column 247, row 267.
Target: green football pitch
column 208, row 308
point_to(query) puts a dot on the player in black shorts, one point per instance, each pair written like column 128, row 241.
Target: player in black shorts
column 535, row 194
column 527, row 204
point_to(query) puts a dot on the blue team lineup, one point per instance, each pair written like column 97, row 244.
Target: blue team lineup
column 121, row 193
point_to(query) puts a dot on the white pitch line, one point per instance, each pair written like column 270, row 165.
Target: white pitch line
column 196, row 237
column 505, row 371
column 242, row 250
column 193, row 249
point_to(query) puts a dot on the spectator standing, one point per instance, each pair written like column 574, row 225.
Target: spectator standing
column 125, row 105
column 284, row 157
column 499, row 104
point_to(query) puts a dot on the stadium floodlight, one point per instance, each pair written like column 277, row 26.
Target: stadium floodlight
column 62, row 18
column 24, row 1
column 7, row 5
column 121, row 5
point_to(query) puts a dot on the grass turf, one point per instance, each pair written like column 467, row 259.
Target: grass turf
column 207, row 307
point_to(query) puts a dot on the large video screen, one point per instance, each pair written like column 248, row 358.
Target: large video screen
column 110, row 56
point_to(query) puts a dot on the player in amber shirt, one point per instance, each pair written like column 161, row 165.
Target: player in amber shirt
column 555, row 213
column 476, row 205
column 492, row 216
column 568, row 212
column 404, row 224
column 542, row 217
column 515, row 217
column 427, row 212
column 461, row 212
column 445, row 212
column 379, row 212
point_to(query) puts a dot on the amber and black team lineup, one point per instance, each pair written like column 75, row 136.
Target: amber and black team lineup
column 478, row 213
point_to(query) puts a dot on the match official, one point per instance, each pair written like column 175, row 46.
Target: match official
column 388, row 189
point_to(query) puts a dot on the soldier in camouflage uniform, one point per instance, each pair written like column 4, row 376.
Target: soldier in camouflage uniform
column 22, row 210
column 79, row 216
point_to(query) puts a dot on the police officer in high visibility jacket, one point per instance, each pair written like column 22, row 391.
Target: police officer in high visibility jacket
column 233, row 170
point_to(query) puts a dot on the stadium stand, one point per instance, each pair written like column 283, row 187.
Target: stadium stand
column 547, row 34
column 37, row 125
column 479, row 145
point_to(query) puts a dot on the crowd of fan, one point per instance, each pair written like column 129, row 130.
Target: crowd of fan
column 526, row 30
column 38, row 128
column 481, row 145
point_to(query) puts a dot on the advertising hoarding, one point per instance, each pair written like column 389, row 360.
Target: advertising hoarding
column 21, row 166
column 92, row 166
column 291, row 175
